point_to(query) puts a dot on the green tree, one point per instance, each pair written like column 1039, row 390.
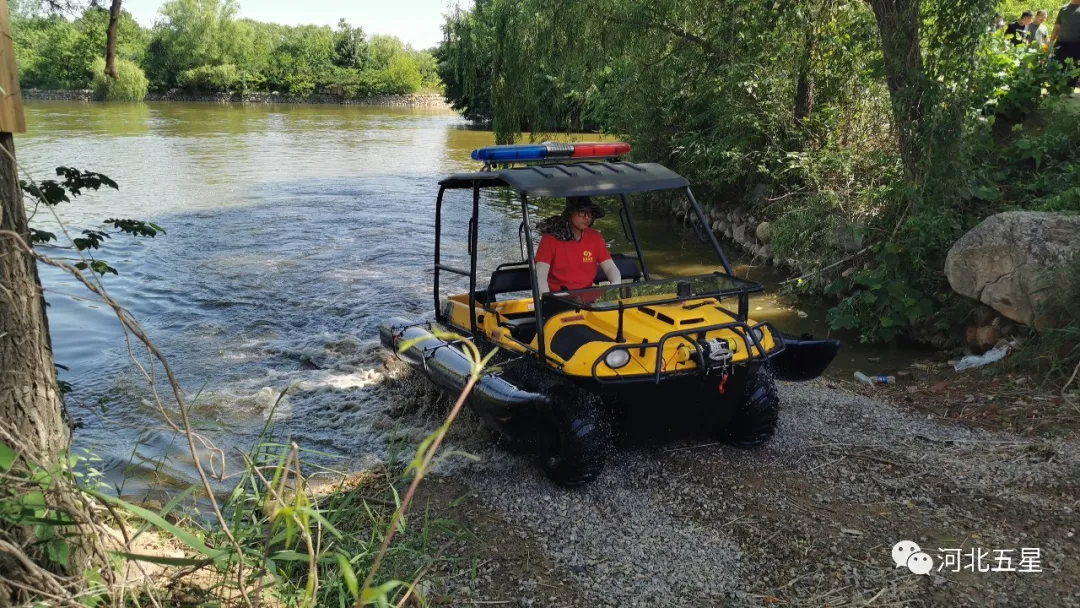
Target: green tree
column 465, row 62
column 132, row 39
column 302, row 62
column 350, row 46
column 401, row 76
column 382, row 49
column 192, row 33
column 46, row 51
column 429, row 69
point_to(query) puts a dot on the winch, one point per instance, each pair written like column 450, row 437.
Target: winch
column 716, row 352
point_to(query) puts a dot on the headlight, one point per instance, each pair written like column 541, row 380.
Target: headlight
column 617, row 358
column 758, row 333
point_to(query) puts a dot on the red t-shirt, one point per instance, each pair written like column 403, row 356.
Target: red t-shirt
column 573, row 263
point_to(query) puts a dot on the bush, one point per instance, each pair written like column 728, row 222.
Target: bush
column 130, row 83
column 1016, row 79
column 223, row 78
column 400, row 76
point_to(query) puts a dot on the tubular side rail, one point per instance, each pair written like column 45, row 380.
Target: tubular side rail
column 453, row 269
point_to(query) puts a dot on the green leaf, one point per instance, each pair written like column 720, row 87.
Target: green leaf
column 97, row 266
column 8, row 457
column 173, row 502
column 41, row 236
column 989, row 194
column 160, row 559
column 290, row 556
column 378, row 595
column 325, row 522
column 349, row 576
column 33, row 500
column 186, row 537
column 58, row 551
column 845, row 322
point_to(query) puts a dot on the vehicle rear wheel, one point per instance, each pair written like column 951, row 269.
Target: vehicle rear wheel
column 573, row 450
column 755, row 420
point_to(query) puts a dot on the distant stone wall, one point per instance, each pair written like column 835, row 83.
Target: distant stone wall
column 48, row 95
column 399, row 101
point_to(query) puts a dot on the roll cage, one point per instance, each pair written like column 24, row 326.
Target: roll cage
column 576, row 179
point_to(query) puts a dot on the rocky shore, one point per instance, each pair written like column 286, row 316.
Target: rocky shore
column 420, row 100
column 739, row 226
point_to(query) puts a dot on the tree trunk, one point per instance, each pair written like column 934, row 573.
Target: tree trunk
column 898, row 24
column 110, row 39
column 804, row 87
column 30, row 406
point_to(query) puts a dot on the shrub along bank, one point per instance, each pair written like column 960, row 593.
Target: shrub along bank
column 871, row 135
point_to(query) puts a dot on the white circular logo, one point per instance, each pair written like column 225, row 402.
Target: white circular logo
column 920, row 563
column 902, row 550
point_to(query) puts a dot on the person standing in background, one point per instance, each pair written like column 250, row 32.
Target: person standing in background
column 1066, row 36
column 1016, row 33
column 999, row 23
column 1036, row 30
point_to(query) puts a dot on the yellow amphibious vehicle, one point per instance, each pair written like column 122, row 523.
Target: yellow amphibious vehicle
column 586, row 363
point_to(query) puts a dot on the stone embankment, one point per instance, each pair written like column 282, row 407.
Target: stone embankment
column 738, row 226
column 432, row 101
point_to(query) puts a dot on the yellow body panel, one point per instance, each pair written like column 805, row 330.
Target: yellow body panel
column 644, row 324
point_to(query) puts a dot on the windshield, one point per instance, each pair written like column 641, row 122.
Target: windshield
column 609, row 297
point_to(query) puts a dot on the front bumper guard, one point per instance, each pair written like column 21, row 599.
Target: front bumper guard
column 740, row 327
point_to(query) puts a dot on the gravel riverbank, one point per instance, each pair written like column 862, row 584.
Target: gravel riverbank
column 810, row 520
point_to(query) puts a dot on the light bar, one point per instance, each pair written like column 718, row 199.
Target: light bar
column 549, row 151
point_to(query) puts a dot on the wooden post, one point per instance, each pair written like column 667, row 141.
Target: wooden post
column 11, row 105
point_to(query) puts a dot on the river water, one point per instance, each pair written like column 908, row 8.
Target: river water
column 292, row 232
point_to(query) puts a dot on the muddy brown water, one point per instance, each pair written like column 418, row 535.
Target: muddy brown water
column 293, row 231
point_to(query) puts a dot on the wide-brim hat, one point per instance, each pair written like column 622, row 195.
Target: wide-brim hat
column 577, row 203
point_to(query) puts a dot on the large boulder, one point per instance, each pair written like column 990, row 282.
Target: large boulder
column 1007, row 262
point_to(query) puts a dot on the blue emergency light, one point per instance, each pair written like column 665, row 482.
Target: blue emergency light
column 549, row 151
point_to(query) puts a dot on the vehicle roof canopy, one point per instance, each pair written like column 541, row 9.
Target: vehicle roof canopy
column 577, row 179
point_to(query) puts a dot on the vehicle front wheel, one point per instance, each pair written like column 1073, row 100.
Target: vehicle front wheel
column 756, row 417
column 573, row 450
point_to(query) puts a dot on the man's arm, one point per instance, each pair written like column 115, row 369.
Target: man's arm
column 1057, row 30
column 542, row 270
column 611, row 271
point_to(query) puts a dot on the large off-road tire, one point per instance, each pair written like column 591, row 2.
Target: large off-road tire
column 577, row 439
column 756, row 417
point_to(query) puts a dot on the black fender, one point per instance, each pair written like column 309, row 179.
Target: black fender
column 803, row 358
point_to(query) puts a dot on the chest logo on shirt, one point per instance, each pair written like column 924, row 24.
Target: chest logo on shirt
column 586, row 256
